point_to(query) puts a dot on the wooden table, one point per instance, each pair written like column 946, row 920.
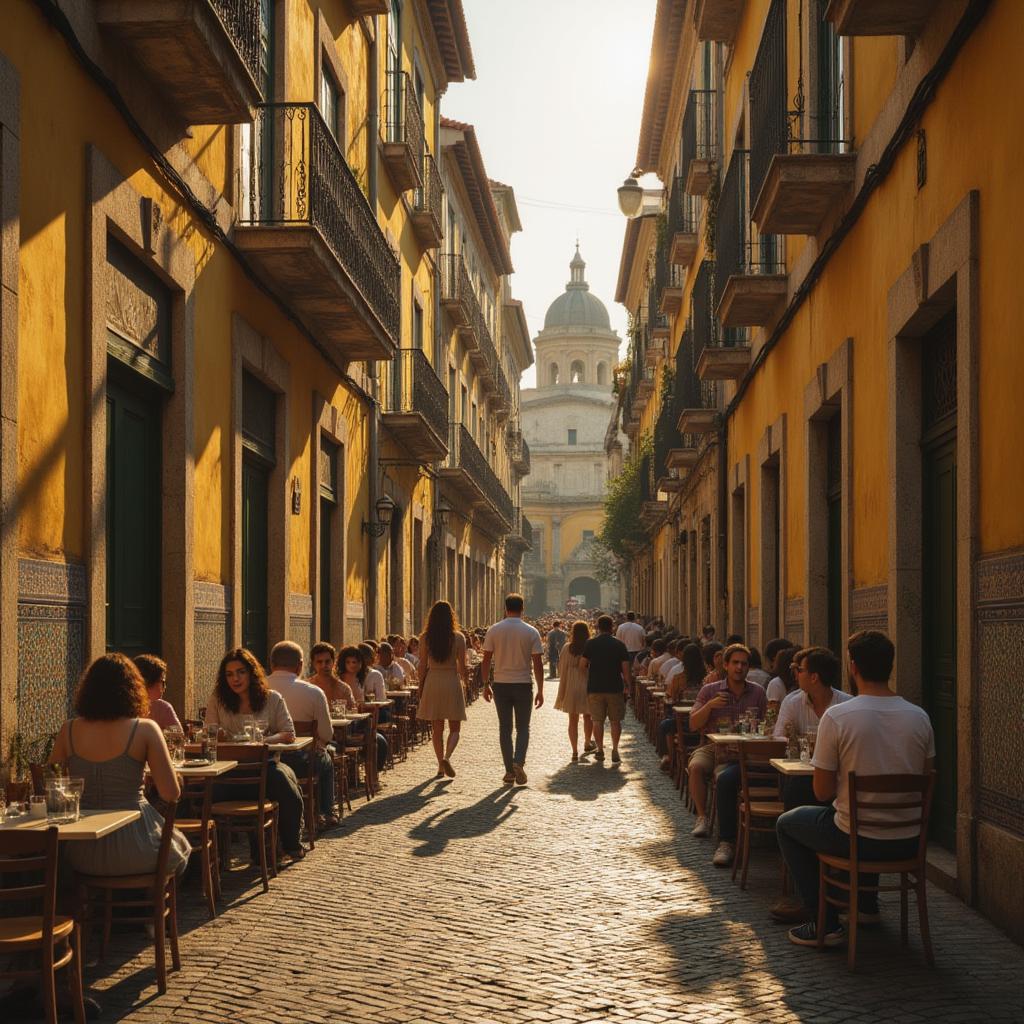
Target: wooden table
column 205, row 771
column 299, row 743
column 91, row 824
column 791, row 767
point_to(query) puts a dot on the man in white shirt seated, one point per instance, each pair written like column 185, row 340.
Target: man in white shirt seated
column 669, row 661
column 394, row 677
column 659, row 655
column 876, row 733
column 306, row 702
column 631, row 633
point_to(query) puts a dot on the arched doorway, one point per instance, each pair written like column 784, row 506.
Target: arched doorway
column 586, row 590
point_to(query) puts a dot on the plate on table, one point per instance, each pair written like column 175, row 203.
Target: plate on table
column 197, row 762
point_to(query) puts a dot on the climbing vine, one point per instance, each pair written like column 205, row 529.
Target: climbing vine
column 622, row 529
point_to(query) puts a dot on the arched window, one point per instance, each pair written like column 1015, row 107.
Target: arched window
column 576, row 372
column 602, row 373
column 553, row 373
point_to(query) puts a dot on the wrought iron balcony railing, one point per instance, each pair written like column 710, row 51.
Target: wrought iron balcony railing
column 464, row 454
column 518, row 452
column 241, row 20
column 457, row 295
column 700, row 130
column 416, row 388
column 526, row 530
column 293, row 174
column 739, row 250
column 402, row 127
column 428, row 204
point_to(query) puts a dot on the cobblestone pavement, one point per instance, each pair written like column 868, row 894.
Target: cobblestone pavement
column 581, row 898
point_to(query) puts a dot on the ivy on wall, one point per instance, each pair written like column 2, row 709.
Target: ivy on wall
column 622, row 529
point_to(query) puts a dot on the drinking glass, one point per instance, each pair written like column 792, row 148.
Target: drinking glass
column 73, row 790
column 812, row 739
column 211, row 743
column 37, row 806
column 3, row 803
column 805, row 750
column 248, row 727
column 175, row 744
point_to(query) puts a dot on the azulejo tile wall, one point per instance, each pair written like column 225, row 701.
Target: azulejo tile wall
column 212, row 637
column 300, row 620
column 51, row 644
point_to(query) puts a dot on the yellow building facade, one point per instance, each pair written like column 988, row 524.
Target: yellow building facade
column 837, row 192
column 221, row 327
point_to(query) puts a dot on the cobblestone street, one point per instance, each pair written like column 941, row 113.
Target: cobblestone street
column 579, row 898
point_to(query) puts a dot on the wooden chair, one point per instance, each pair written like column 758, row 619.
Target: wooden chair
column 201, row 832
column 28, row 855
column 252, row 814
column 680, row 749
column 310, row 785
column 760, row 798
column 159, row 898
column 910, row 793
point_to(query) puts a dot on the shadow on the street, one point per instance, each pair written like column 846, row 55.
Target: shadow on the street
column 436, row 831
column 586, row 780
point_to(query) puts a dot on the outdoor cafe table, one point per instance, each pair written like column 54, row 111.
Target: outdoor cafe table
column 791, row 766
column 90, row 825
column 205, row 771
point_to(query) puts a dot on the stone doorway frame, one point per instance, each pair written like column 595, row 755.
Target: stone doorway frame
column 772, row 458
column 329, row 424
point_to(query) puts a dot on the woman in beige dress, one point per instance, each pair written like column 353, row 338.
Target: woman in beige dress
column 572, row 689
column 442, row 672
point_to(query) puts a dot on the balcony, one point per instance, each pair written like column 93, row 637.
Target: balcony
column 879, row 17
column 717, row 20
column 682, row 225
column 519, row 452
column 800, row 167
column 370, row 7
column 501, row 396
column 657, row 347
column 723, row 362
column 418, row 415
column 469, row 476
column 699, row 147
column 694, row 404
column 698, row 421
column 203, row 56
column 402, row 127
column 427, row 204
column 482, row 353
column 749, row 287
column 310, row 234
column 521, row 537
column 458, row 299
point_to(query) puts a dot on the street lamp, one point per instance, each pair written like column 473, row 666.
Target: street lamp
column 441, row 512
column 385, row 508
column 631, row 197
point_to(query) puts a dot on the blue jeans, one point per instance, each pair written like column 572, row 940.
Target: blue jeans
column 666, row 728
column 324, row 768
column 727, row 789
column 804, row 832
column 513, row 699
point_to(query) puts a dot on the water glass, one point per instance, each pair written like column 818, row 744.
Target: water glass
column 37, row 806
column 73, row 790
column 805, row 750
column 175, row 744
column 248, row 727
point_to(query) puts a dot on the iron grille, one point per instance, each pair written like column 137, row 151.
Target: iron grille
column 666, row 275
column 241, row 21
column 429, row 197
column 465, row 454
column 666, row 435
column 295, row 174
column 404, row 120
column 526, row 530
column 768, row 122
column 938, row 373
column 682, row 214
column 417, row 388
column 703, row 323
column 700, row 131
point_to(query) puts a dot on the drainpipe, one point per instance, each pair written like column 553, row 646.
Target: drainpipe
column 373, row 459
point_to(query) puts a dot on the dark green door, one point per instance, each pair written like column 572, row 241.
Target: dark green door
column 133, row 517
column 834, row 501
column 940, row 624
column 255, row 494
column 326, row 518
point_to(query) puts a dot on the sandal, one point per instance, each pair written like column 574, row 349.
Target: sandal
column 448, row 769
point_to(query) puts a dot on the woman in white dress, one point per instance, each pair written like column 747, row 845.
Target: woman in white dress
column 443, row 675
column 572, row 689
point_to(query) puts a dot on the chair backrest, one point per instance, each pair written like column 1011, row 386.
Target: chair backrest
column 252, row 759
column 305, row 728
column 755, row 769
column 910, row 793
column 197, row 793
column 32, row 852
column 682, row 726
column 170, row 811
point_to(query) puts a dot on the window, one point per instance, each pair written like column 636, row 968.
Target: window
column 553, row 373
column 602, row 373
column 576, row 373
column 572, row 436
column 330, row 102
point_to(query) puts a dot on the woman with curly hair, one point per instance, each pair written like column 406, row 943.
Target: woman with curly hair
column 354, row 665
column 242, row 691
column 443, row 677
column 109, row 744
column 572, row 688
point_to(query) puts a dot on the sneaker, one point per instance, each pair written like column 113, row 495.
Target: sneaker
column 518, row 774
column 589, row 746
column 806, row 934
column 700, row 830
column 615, row 757
column 598, row 755
column 863, row 917
column 723, row 855
column 790, row 910
column 508, row 778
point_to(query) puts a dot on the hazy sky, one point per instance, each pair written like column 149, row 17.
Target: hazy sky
column 556, row 105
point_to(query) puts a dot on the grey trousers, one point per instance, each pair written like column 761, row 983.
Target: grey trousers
column 513, row 700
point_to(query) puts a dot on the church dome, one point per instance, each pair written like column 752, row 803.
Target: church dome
column 576, row 307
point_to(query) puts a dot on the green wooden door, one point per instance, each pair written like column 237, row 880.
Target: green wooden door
column 834, row 502
column 133, row 518
column 940, row 626
column 327, row 508
column 255, row 494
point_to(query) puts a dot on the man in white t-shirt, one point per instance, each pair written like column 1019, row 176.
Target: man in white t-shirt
column 515, row 650
column 876, row 733
column 631, row 633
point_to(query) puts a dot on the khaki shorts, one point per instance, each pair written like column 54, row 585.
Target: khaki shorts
column 703, row 758
column 607, row 705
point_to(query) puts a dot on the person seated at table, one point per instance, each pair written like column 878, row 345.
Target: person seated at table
column 398, row 650
column 714, row 659
column 783, row 682
column 659, row 655
column 154, row 674
column 109, row 744
column 356, row 672
column 682, row 684
column 756, row 674
column 372, row 686
column 817, row 674
column 728, row 698
column 673, row 652
column 325, row 675
column 875, row 733
column 412, row 651
column 306, row 703
column 394, row 677
column 241, row 692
